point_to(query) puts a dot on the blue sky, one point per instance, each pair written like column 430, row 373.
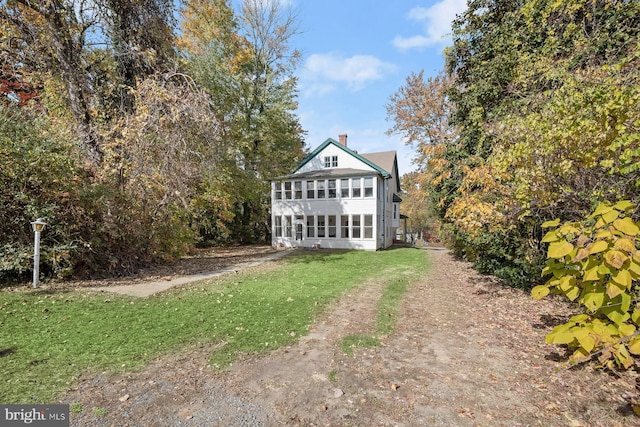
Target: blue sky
column 356, row 54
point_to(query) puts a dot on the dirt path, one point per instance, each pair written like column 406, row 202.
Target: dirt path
column 154, row 286
column 467, row 352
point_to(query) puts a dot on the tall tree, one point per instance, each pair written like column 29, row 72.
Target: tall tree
column 421, row 112
column 416, row 205
column 43, row 35
column 51, row 38
column 270, row 128
column 141, row 40
column 544, row 98
column 247, row 66
column 206, row 23
column 269, row 91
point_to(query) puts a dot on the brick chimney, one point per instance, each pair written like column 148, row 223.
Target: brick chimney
column 343, row 139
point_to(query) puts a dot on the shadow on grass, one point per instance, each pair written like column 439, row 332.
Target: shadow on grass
column 317, row 255
column 7, row 351
column 49, row 291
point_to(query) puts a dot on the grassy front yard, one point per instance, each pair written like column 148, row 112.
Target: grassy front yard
column 48, row 339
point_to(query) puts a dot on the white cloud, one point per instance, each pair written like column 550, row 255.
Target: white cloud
column 436, row 21
column 322, row 73
column 406, row 43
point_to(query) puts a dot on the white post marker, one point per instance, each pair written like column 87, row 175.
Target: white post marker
column 37, row 226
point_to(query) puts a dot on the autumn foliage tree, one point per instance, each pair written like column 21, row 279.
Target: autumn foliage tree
column 247, row 66
column 421, row 218
column 155, row 127
column 544, row 100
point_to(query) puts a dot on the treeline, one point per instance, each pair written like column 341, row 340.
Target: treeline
column 139, row 128
column 536, row 117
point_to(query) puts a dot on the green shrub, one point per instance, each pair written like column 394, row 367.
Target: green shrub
column 507, row 255
column 95, row 227
column 38, row 179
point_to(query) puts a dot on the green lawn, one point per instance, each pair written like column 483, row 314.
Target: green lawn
column 48, row 339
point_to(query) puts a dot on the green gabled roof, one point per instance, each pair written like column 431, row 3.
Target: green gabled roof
column 322, row 146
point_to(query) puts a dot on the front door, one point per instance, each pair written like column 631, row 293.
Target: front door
column 298, row 227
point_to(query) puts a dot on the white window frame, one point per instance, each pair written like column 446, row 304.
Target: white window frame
column 287, row 190
column 297, row 190
column 311, row 190
column 367, row 188
column 311, row 226
column 356, row 227
column 344, row 227
column 332, row 226
column 368, row 226
column 288, row 226
column 332, row 191
column 277, row 226
column 277, row 190
column 321, row 193
column 344, row 189
column 298, row 225
column 322, row 229
column 356, row 188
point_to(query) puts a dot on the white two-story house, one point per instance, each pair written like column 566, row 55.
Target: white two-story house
column 337, row 198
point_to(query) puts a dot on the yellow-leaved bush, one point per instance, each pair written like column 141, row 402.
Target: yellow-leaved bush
column 596, row 264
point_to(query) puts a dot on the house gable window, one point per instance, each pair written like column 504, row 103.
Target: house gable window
column 331, row 161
